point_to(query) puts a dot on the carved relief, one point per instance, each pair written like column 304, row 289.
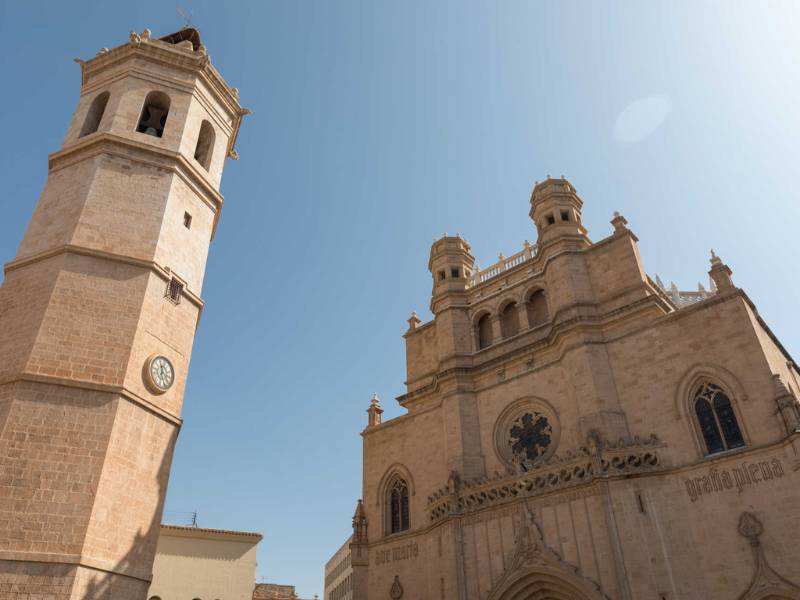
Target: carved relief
column 536, row 570
column 597, row 460
column 397, row 590
column 766, row 584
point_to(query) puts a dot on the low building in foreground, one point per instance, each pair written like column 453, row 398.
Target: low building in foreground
column 204, row 564
column 338, row 574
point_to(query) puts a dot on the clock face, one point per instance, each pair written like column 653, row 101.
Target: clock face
column 161, row 373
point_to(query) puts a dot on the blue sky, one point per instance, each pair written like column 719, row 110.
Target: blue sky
column 377, row 126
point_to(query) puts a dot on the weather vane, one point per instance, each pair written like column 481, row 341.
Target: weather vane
column 185, row 15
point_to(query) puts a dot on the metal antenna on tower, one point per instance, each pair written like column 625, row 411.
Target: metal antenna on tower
column 185, row 15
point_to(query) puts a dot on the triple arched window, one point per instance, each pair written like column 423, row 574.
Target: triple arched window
column 536, row 309
column 716, row 419
column 484, row 331
column 397, row 501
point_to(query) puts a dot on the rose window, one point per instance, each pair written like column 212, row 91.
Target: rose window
column 529, row 436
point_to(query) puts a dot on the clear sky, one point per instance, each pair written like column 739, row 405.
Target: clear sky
column 378, row 126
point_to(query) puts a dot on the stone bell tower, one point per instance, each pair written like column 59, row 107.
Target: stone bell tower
column 98, row 312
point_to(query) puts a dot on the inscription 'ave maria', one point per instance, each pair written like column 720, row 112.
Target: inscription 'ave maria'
column 404, row 552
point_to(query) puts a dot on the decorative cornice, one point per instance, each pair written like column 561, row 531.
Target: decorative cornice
column 77, row 560
column 92, row 386
column 150, row 265
column 596, row 461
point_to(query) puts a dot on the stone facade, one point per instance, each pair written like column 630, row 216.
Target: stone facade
column 206, row 564
column 106, row 283
column 575, row 431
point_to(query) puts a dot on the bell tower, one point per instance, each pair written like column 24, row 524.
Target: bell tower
column 98, row 312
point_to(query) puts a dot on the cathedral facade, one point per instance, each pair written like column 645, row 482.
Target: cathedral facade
column 98, row 312
column 574, row 430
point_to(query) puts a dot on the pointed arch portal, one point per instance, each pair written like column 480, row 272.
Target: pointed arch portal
column 545, row 585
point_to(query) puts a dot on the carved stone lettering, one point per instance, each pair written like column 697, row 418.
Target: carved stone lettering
column 404, row 552
column 739, row 477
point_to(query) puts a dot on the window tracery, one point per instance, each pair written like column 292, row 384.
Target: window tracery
column 716, row 419
column 398, row 506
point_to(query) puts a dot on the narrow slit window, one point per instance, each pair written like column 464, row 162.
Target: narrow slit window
column 153, row 119
column 95, row 114
column 174, row 291
column 187, row 220
column 442, row 275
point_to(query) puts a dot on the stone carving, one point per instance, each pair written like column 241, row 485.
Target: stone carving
column 597, row 460
column 533, row 555
column 766, row 582
column 397, row 589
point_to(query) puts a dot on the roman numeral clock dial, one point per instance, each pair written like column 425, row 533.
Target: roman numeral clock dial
column 159, row 374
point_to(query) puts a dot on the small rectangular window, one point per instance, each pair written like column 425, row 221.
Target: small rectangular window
column 174, row 291
column 551, row 220
column 565, row 215
column 454, row 272
column 441, row 275
column 187, row 220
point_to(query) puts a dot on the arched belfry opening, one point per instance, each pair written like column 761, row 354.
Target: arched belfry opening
column 205, row 145
column 153, row 119
column 95, row 114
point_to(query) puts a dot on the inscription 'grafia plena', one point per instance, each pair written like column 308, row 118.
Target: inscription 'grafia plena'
column 719, row 480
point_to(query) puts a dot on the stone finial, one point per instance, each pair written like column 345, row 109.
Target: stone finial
column 750, row 527
column 134, row 38
column 720, row 274
column 413, row 321
column 374, row 411
column 619, row 222
column 102, row 50
column 788, row 407
column 359, row 524
column 146, row 34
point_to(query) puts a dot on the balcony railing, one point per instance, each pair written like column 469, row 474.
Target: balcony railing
column 504, row 264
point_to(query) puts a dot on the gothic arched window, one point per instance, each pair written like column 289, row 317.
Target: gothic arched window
column 716, row 419
column 398, row 506
column 205, row 145
column 154, row 114
column 509, row 320
column 484, row 332
column 95, row 114
column 536, row 308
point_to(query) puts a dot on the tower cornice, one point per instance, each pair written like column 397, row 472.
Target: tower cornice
column 172, row 56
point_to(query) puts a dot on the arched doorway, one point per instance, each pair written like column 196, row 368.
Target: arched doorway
column 545, row 584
